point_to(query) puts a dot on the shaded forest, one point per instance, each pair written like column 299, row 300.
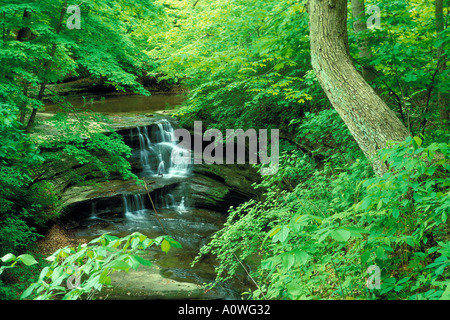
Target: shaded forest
column 359, row 206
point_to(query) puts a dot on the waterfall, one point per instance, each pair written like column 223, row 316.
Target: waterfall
column 170, row 199
column 93, row 210
column 159, row 153
column 161, row 168
column 145, row 145
column 134, row 206
column 181, row 207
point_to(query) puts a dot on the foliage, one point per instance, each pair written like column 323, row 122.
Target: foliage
column 404, row 53
column 317, row 239
column 246, row 67
column 88, row 268
column 118, row 59
column 324, row 218
column 86, row 139
column 327, row 133
column 36, row 49
column 19, row 213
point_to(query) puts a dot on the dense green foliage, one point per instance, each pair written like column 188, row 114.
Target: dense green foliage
column 247, row 67
column 250, row 66
column 88, row 268
column 38, row 49
column 321, row 221
column 317, row 231
column 324, row 217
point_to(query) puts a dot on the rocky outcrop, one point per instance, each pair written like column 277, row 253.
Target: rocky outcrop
column 221, row 186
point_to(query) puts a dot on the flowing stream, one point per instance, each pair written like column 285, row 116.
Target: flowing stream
column 169, row 210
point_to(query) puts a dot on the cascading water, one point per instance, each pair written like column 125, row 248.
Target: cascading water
column 160, row 156
column 175, row 212
column 93, row 210
column 181, row 207
column 145, row 145
column 171, row 199
column 134, row 206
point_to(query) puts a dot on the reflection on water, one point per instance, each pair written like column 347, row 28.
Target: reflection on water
column 122, row 104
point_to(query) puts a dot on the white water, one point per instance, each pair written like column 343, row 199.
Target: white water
column 93, row 210
column 134, row 207
column 161, row 158
column 160, row 155
column 181, row 207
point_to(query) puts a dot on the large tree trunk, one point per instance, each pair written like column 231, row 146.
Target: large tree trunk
column 368, row 118
column 442, row 61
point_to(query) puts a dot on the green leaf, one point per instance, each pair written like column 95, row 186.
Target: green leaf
column 288, row 260
column 142, row 261
column 165, row 246
column 294, row 288
column 28, row 291
column 8, row 257
column 446, row 294
column 365, row 256
column 134, row 263
column 274, row 231
column 173, row 242
column 282, row 235
column 341, row 235
column 443, row 147
column 119, row 265
column 279, row 66
column 135, row 243
column 380, row 253
column 301, row 257
column 104, row 278
column 27, row 259
column 418, row 142
column 111, row 238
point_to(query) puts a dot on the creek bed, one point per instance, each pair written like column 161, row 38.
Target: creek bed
column 175, row 192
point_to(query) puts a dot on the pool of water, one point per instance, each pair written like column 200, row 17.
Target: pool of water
column 113, row 104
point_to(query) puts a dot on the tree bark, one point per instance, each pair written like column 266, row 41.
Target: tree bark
column 368, row 118
column 360, row 27
column 442, row 61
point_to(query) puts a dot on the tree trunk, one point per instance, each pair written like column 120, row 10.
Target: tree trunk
column 368, row 118
column 442, row 61
column 360, row 27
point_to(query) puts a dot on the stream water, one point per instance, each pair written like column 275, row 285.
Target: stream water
column 167, row 210
column 114, row 104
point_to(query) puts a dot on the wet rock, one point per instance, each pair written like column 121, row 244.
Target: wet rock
column 148, row 283
column 223, row 186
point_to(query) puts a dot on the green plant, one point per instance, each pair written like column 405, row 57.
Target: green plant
column 317, row 236
column 87, row 269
